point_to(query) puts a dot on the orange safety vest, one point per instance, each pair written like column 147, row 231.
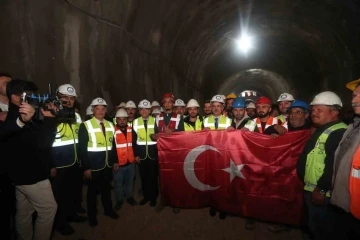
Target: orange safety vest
column 354, row 185
column 124, row 148
column 271, row 121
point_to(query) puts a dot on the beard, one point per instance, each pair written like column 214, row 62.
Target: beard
column 263, row 114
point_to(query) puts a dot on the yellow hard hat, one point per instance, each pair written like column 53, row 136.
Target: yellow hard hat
column 352, row 85
column 231, row 96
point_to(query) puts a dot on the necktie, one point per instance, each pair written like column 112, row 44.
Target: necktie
column 102, row 128
column 216, row 123
column 145, row 124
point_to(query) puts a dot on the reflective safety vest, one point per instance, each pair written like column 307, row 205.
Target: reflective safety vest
column 198, row 124
column 124, row 147
column 354, row 185
column 315, row 162
column 64, row 145
column 282, row 118
column 173, row 123
column 251, row 125
column 67, row 134
column 271, row 121
column 224, row 122
column 97, row 141
column 143, row 135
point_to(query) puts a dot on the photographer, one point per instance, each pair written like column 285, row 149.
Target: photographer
column 66, row 174
column 29, row 165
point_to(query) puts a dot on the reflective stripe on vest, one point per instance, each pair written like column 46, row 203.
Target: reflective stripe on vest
column 315, row 164
column 189, row 127
column 282, row 118
column 97, row 141
column 354, row 185
column 143, row 136
column 224, row 122
column 173, row 123
column 251, row 125
column 124, row 148
column 66, row 134
column 271, row 121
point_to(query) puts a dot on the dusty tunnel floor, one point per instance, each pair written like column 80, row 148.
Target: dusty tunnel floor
column 142, row 222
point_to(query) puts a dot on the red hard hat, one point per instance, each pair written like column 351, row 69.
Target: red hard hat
column 168, row 95
column 263, row 100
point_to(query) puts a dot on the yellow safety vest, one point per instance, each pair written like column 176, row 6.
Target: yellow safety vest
column 97, row 141
column 224, row 122
column 143, row 136
column 315, row 162
column 198, row 124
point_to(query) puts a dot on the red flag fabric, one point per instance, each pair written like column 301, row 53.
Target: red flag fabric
column 238, row 172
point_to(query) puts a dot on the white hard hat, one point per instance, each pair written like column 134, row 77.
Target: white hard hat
column 327, row 98
column 144, row 104
column 251, row 105
column 179, row 103
column 122, row 105
column 121, row 113
column 161, row 109
column 192, row 103
column 130, row 104
column 218, row 98
column 89, row 110
column 156, row 111
column 98, row 101
column 155, row 104
column 67, row 89
column 286, row 97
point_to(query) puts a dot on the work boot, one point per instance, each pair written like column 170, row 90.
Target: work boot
column 212, row 212
column 77, row 219
column 118, row 205
column 65, row 230
column 131, row 201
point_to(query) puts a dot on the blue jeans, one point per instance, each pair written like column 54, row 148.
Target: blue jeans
column 316, row 215
column 124, row 182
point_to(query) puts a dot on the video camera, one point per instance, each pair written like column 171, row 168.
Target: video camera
column 41, row 100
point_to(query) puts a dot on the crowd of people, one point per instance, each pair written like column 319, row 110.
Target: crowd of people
column 47, row 154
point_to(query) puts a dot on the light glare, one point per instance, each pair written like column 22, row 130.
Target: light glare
column 245, row 43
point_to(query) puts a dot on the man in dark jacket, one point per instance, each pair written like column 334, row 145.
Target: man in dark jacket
column 28, row 170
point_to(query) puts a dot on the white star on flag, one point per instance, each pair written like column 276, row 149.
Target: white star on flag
column 234, row 170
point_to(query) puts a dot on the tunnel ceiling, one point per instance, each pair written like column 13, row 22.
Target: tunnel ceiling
column 135, row 49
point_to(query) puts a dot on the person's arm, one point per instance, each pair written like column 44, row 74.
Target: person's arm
column 113, row 152
column 83, row 143
column 181, row 125
column 134, row 143
column 325, row 181
column 46, row 132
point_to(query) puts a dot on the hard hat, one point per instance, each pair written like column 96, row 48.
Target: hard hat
column 231, row 96
column 67, row 89
column 89, row 110
column 155, row 104
column 98, row 101
column 144, row 104
column 285, row 97
column 179, row 103
column 263, row 100
column 121, row 113
column 352, row 85
column 239, row 102
column 300, row 104
column 122, row 105
column 161, row 109
column 192, row 103
column 251, row 105
column 168, row 95
column 156, row 111
column 223, row 96
column 130, row 104
column 326, row 98
column 217, row 98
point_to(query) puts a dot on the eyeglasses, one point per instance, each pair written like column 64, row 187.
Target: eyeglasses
column 297, row 113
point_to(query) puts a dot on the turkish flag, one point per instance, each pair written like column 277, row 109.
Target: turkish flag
column 238, row 172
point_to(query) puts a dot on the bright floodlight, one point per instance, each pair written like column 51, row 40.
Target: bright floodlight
column 245, row 43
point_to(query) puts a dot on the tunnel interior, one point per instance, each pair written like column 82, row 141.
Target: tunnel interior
column 136, row 49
